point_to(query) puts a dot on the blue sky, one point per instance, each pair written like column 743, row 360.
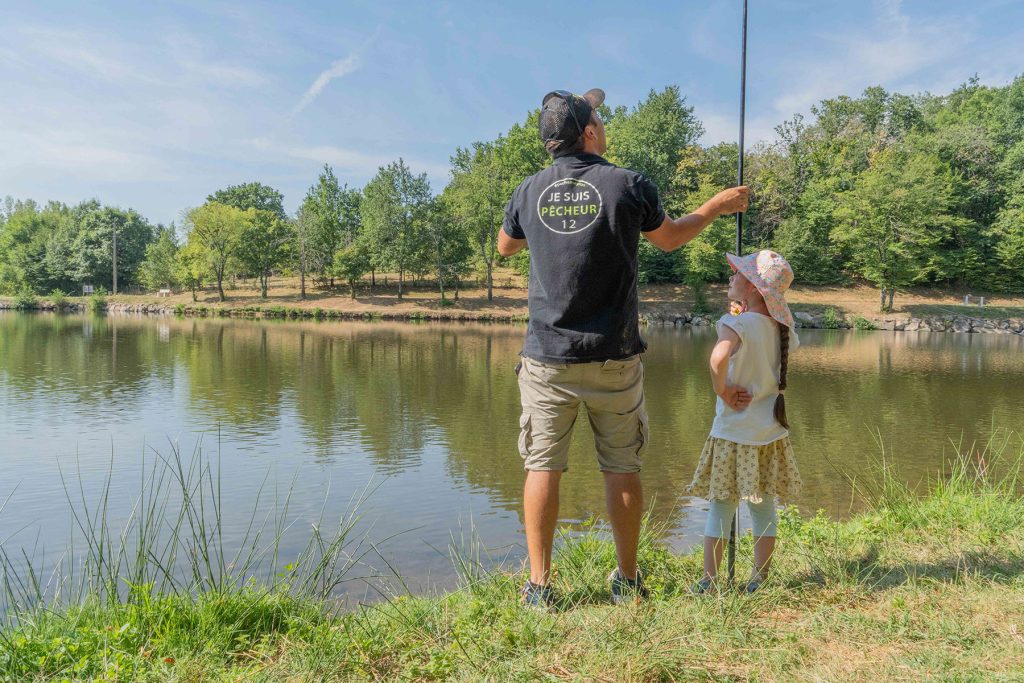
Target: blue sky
column 155, row 105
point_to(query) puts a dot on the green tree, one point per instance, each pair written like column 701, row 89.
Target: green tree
column 160, row 267
column 652, row 139
column 351, row 263
column 94, row 243
column 894, row 218
column 214, row 229
column 191, row 266
column 263, row 244
column 251, row 196
column 395, row 210
column 325, row 209
column 449, row 250
column 476, row 199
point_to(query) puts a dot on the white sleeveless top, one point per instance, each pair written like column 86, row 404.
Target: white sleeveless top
column 754, row 367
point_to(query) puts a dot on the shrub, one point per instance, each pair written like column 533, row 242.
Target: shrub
column 831, row 320
column 25, row 300
column 179, row 309
column 98, row 301
column 59, row 298
column 862, row 323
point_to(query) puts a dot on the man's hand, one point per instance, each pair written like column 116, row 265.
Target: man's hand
column 732, row 200
column 672, row 234
column 735, row 397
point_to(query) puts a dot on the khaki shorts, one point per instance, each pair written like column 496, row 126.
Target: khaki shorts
column 613, row 393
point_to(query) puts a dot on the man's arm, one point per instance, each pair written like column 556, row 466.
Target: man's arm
column 672, row 234
column 509, row 245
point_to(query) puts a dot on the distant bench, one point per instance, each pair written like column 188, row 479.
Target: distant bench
column 164, row 292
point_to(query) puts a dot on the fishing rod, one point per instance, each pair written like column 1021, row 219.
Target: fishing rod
column 734, row 528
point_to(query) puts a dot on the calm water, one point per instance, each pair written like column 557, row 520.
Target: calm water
column 426, row 415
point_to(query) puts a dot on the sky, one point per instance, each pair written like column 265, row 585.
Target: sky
column 155, row 105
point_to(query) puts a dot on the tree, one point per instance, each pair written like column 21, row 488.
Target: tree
column 894, row 218
column 94, row 243
column 653, row 139
column 191, row 266
column 23, row 239
column 476, row 197
column 251, row 196
column 159, row 269
column 449, row 250
column 395, row 210
column 331, row 217
column 350, row 264
column 263, row 244
column 302, row 229
column 214, row 229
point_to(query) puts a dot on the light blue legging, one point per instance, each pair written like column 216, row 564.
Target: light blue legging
column 763, row 515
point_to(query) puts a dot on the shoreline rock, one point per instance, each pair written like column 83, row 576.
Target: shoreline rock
column 959, row 324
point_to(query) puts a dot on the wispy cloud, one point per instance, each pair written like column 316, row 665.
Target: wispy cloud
column 337, row 69
column 895, row 52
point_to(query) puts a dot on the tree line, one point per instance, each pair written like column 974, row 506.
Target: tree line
column 893, row 189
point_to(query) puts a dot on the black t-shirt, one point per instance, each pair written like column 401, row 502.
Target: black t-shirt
column 582, row 218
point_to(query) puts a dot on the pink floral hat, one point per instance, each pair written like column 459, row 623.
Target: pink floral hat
column 772, row 275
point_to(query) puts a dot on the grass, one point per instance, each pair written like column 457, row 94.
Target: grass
column 927, row 584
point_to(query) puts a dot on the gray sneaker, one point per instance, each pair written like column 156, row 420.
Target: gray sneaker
column 703, row 587
column 624, row 589
column 537, row 597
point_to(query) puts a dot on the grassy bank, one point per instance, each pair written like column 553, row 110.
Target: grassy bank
column 423, row 302
column 928, row 584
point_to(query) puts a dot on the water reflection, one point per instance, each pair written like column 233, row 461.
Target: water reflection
column 429, row 413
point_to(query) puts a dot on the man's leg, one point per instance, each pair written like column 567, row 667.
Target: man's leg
column 540, row 512
column 624, row 498
column 615, row 407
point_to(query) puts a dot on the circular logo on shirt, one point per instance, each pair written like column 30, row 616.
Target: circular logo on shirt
column 568, row 206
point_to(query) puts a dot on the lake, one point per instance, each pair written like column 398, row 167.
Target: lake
column 421, row 420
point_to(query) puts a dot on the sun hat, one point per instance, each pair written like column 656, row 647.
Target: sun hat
column 564, row 115
column 771, row 275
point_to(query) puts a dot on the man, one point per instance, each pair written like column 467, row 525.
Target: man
column 582, row 218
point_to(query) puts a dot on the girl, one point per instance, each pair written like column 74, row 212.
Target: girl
column 748, row 454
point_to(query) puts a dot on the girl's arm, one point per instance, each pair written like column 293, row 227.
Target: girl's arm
column 735, row 397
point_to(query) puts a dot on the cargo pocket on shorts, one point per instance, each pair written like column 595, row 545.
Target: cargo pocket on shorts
column 525, row 435
column 645, row 433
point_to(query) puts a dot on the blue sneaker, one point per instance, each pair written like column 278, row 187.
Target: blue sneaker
column 624, row 589
column 537, row 597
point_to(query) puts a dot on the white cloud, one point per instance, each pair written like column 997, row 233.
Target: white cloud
column 337, row 69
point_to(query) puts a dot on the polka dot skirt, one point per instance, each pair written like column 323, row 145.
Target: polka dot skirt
column 734, row 471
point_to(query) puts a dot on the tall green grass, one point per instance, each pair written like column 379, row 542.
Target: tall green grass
column 168, row 562
column 928, row 582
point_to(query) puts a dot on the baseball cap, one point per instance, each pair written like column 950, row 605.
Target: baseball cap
column 564, row 115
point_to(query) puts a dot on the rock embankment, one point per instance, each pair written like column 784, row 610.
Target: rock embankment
column 957, row 323
column 962, row 324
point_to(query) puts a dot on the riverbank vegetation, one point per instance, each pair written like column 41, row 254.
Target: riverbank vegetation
column 891, row 189
column 926, row 583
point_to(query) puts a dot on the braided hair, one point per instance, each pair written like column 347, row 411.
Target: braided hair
column 780, row 400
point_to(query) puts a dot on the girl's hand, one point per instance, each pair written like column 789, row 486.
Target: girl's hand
column 735, row 397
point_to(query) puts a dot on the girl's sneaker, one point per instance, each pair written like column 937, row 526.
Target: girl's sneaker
column 537, row 597
column 704, row 587
column 624, row 589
